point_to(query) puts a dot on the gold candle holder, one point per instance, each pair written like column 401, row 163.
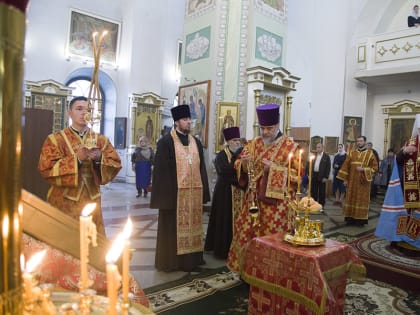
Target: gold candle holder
column 12, row 38
column 304, row 231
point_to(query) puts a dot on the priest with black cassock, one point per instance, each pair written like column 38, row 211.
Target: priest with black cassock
column 179, row 189
column 227, row 196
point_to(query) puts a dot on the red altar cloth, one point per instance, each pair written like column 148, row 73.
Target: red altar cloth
column 287, row 279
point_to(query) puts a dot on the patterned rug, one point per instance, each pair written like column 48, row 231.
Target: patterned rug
column 388, row 263
column 224, row 293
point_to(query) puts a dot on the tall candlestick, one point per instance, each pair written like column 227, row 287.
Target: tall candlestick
column 299, row 167
column 310, row 176
column 288, row 172
column 113, row 277
column 126, row 260
column 87, row 234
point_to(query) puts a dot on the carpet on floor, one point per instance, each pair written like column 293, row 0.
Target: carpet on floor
column 388, row 263
column 225, row 294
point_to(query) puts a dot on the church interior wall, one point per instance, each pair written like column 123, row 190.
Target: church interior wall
column 375, row 131
column 317, row 55
column 147, row 58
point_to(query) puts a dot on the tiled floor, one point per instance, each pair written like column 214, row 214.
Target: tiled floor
column 119, row 201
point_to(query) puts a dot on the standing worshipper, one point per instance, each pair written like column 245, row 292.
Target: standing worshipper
column 373, row 188
column 179, row 189
column 413, row 20
column 142, row 160
column 265, row 158
column 357, row 173
column 74, row 170
column 227, row 196
column 338, row 186
column 320, row 173
column 385, row 169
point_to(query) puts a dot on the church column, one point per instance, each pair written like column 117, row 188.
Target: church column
column 12, row 38
column 386, row 121
column 257, row 94
column 288, row 111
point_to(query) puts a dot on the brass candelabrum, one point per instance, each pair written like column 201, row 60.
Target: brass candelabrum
column 304, row 231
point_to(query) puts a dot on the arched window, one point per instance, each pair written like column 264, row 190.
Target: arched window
column 81, row 87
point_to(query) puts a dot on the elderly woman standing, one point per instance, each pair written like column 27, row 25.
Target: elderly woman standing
column 142, row 160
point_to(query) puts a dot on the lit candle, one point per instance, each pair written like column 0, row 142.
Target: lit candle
column 87, row 235
column 310, row 176
column 113, row 277
column 288, row 172
column 27, row 274
column 5, row 236
column 126, row 259
column 299, row 167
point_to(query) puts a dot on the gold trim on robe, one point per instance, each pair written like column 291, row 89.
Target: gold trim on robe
column 189, row 212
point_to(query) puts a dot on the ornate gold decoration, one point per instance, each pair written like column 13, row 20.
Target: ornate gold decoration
column 394, row 49
column 305, row 231
column 407, row 47
column 382, row 51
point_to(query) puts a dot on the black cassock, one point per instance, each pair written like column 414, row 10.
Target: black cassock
column 219, row 230
column 164, row 198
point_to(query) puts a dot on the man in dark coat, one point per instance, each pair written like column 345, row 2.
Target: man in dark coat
column 179, row 189
column 320, row 172
column 227, row 196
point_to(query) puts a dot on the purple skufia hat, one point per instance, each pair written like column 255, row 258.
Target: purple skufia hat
column 231, row 133
column 268, row 114
column 180, row 111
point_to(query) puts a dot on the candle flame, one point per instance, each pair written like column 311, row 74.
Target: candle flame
column 290, row 155
column 88, row 209
column 116, row 249
column 300, row 151
column 94, row 34
column 105, row 32
column 20, row 209
column 128, row 228
column 35, row 260
column 22, row 262
column 312, row 157
column 5, row 226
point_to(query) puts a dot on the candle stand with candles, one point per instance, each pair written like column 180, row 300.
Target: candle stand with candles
column 305, row 231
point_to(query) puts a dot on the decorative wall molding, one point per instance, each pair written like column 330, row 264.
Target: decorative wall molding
column 276, row 10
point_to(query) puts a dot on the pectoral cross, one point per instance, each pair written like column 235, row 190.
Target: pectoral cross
column 189, row 158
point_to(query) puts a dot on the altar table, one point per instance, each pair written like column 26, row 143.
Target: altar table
column 288, row 279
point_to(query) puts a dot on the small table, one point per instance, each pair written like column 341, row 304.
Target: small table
column 287, row 279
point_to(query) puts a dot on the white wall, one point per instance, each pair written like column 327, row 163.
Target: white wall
column 149, row 32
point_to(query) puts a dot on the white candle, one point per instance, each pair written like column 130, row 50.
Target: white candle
column 126, row 259
column 288, row 172
column 299, row 167
column 5, row 235
column 27, row 274
column 310, row 177
column 87, row 234
column 113, row 277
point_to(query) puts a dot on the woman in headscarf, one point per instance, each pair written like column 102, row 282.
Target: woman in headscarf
column 142, row 160
column 413, row 20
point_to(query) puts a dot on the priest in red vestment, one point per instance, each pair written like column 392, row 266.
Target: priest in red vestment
column 263, row 168
column 75, row 170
